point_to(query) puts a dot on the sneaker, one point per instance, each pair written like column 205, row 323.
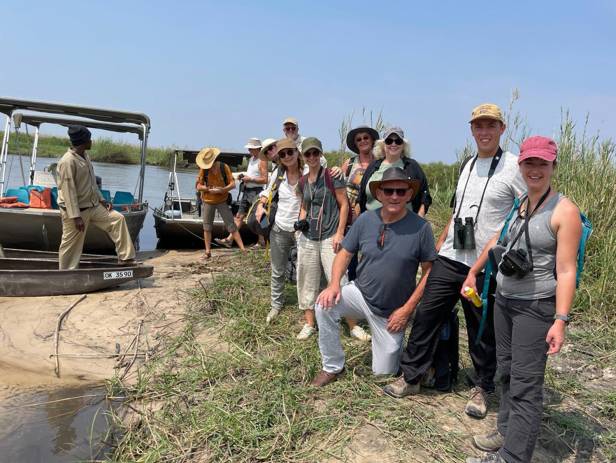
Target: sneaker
column 489, row 442
column 324, row 378
column 487, row 458
column 271, row 315
column 400, row 388
column 476, row 405
column 223, row 242
column 359, row 333
column 306, row 332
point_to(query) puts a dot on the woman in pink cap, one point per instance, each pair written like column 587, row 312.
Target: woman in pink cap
column 535, row 289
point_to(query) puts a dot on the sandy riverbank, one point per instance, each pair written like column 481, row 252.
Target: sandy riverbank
column 94, row 327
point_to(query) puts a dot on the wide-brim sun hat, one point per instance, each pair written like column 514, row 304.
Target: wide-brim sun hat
column 350, row 139
column 206, row 157
column 253, row 143
column 395, row 174
column 265, row 145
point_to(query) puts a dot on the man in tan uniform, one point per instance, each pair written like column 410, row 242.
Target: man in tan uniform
column 81, row 204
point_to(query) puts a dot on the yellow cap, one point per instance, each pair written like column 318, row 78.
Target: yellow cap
column 487, row 111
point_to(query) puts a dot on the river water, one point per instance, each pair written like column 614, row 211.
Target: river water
column 121, row 177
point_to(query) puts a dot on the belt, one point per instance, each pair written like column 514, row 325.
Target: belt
column 81, row 209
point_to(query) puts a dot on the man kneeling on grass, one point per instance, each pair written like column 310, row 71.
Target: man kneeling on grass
column 391, row 243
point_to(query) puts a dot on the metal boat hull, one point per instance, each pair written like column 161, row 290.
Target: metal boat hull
column 50, row 255
column 41, row 229
column 41, row 277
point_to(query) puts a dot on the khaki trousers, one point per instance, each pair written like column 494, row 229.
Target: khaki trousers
column 111, row 222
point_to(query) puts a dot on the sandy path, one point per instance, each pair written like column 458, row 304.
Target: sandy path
column 94, row 326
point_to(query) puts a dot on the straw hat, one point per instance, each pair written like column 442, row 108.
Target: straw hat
column 207, row 157
column 253, row 143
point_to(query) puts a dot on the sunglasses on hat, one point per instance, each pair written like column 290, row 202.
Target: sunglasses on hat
column 397, row 141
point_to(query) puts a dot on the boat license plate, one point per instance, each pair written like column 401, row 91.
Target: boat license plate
column 117, row 274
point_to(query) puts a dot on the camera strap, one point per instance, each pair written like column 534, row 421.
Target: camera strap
column 524, row 228
column 493, row 165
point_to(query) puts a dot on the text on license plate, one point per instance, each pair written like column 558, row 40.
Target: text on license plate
column 117, row 274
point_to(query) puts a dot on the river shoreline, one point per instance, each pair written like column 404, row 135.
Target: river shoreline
column 90, row 333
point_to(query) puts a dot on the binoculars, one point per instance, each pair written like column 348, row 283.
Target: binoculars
column 464, row 233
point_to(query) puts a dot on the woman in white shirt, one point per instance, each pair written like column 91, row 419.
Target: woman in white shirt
column 282, row 234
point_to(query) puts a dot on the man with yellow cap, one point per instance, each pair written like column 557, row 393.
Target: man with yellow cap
column 487, row 186
column 215, row 181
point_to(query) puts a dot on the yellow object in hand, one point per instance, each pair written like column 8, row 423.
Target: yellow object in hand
column 470, row 292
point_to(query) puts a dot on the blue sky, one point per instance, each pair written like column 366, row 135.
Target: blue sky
column 216, row 73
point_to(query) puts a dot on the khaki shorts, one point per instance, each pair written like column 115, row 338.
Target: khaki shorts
column 207, row 212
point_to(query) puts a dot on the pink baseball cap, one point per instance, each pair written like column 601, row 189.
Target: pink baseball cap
column 538, row 147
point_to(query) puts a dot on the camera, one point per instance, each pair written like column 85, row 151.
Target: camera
column 301, row 225
column 464, row 233
column 515, row 263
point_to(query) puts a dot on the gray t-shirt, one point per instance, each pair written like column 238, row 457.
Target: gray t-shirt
column 322, row 211
column 387, row 277
column 505, row 185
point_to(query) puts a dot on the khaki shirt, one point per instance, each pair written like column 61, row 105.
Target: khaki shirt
column 77, row 187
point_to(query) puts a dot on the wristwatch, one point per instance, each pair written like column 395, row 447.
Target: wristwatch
column 564, row 318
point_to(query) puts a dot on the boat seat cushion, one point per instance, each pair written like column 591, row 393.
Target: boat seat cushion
column 107, row 195
column 21, row 193
column 123, row 197
column 40, row 199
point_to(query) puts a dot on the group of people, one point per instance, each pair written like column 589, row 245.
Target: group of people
column 360, row 231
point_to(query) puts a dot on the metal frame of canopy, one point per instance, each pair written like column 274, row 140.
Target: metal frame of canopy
column 36, row 121
column 108, row 120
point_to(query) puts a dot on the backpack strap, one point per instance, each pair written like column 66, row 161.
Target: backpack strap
column 350, row 166
column 223, row 172
column 586, row 232
column 302, row 183
column 329, row 182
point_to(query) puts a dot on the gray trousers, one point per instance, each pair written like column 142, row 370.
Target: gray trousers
column 386, row 346
column 521, row 351
column 281, row 244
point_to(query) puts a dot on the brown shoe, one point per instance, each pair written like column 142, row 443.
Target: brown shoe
column 400, row 388
column 477, row 406
column 490, row 442
column 324, row 378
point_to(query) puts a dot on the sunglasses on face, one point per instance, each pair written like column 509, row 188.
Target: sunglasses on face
column 284, row 153
column 397, row 141
column 364, row 138
column 290, row 129
column 312, row 154
column 380, row 239
column 391, row 191
column 270, row 148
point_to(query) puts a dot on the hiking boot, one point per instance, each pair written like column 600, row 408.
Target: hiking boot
column 324, row 378
column 359, row 333
column 306, row 332
column 273, row 313
column 400, row 388
column 223, row 242
column 476, row 405
column 487, row 458
column 490, row 442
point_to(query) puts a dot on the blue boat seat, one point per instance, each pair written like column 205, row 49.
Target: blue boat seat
column 22, row 194
column 121, row 199
column 33, row 187
column 107, row 195
column 54, row 197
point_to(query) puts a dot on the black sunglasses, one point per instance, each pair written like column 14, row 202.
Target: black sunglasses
column 311, row 154
column 364, row 138
column 391, row 191
column 397, row 141
column 291, row 128
column 269, row 148
column 380, row 240
column 284, row 153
